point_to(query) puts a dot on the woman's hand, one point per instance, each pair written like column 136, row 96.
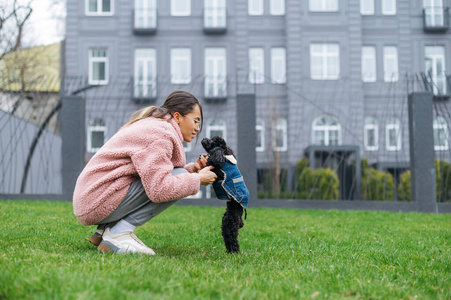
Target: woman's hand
column 207, row 176
column 200, row 163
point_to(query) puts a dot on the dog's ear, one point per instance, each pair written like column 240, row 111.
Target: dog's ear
column 219, row 142
column 216, row 157
column 207, row 144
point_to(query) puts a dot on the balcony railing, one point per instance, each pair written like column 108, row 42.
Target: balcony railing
column 215, row 20
column 436, row 19
column 215, row 88
column 439, row 84
column 144, row 91
column 144, row 21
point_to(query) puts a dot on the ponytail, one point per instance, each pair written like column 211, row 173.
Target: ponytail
column 145, row 112
column 178, row 101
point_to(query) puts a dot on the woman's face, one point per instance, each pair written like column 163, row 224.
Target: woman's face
column 189, row 124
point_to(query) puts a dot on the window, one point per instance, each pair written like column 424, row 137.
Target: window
column 145, row 13
column 145, row 83
column 389, row 7
column 99, row 7
column 440, row 134
column 367, row 7
column 180, row 65
column 390, row 64
column 98, row 66
column 280, row 135
column 96, row 134
column 371, row 134
column 368, row 64
column 216, row 127
column 215, row 72
column 393, row 135
column 215, row 13
column 434, row 12
column 323, row 5
column 277, row 7
column 278, row 65
column 324, row 61
column 435, row 69
column 260, row 135
column 180, row 7
column 256, row 65
column 326, row 131
column 255, row 7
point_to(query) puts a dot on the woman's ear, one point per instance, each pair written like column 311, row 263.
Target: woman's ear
column 177, row 116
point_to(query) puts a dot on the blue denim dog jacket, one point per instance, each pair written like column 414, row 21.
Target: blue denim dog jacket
column 233, row 186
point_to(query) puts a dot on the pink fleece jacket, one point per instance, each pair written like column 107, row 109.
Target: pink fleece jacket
column 149, row 149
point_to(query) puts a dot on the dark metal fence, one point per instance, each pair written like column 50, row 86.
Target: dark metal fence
column 43, row 146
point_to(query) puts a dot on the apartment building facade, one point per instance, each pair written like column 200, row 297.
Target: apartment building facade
column 328, row 73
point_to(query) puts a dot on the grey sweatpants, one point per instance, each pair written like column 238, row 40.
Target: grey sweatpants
column 137, row 208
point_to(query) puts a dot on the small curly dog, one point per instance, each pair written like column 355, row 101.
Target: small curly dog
column 228, row 186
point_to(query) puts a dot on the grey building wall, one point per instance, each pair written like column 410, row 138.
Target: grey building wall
column 300, row 100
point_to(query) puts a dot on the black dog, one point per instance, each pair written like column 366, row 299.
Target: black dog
column 232, row 220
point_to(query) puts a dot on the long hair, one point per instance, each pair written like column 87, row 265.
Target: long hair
column 178, row 101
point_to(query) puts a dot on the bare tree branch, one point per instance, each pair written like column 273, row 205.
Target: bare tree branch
column 13, row 19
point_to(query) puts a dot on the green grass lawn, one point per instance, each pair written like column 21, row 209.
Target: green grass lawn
column 286, row 254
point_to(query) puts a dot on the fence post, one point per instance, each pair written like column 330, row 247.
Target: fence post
column 246, row 137
column 72, row 120
column 422, row 167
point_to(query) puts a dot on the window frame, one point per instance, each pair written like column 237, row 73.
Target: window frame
column 96, row 128
column 260, row 130
column 217, row 127
column 278, row 61
column 386, row 8
column 437, row 125
column 393, row 124
column 175, row 13
column 99, row 12
column 98, row 59
column 275, row 9
column 369, row 59
column 324, row 55
column 146, row 82
column 327, row 129
column 433, row 11
column 369, row 7
column 391, row 61
column 256, row 65
column 258, row 12
column 323, row 4
column 219, row 61
column 148, row 12
column 177, row 58
column 215, row 13
column 371, row 124
column 282, row 125
column 435, row 74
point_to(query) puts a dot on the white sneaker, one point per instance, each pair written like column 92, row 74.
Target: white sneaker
column 126, row 242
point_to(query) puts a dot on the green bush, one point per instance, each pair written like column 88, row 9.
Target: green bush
column 376, row 185
column 404, row 187
column 319, row 184
column 442, row 183
column 329, row 184
column 305, row 183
